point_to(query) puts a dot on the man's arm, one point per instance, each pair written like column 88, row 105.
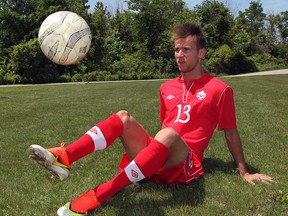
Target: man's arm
column 235, row 147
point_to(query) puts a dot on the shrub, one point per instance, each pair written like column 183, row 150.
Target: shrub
column 65, row 78
column 266, row 62
column 96, row 76
column 227, row 61
column 77, row 78
column 12, row 78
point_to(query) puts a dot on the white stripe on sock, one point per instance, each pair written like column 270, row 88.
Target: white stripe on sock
column 98, row 138
column 133, row 172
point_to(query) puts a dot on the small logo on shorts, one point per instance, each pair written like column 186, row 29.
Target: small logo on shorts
column 201, row 95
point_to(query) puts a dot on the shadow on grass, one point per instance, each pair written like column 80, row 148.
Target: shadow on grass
column 149, row 198
column 212, row 165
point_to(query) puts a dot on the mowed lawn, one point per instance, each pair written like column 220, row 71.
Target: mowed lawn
column 50, row 114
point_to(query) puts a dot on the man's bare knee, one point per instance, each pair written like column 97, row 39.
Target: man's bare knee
column 124, row 116
column 134, row 136
column 178, row 148
column 123, row 113
column 168, row 136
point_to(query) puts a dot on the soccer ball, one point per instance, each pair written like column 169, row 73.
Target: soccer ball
column 64, row 37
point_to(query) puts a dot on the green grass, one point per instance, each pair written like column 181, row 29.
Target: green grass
column 48, row 115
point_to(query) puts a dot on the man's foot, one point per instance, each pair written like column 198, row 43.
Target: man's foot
column 54, row 159
column 80, row 206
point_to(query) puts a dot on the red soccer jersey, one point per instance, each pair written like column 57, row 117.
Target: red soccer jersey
column 194, row 110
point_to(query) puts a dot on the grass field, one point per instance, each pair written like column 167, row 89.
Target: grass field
column 50, row 114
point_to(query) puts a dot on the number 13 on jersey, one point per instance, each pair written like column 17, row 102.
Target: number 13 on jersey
column 186, row 111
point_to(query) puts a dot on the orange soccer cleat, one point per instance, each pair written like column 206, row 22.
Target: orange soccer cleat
column 80, row 206
column 54, row 159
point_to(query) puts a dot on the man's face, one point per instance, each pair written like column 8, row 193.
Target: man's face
column 187, row 55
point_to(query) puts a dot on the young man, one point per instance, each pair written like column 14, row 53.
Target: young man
column 191, row 106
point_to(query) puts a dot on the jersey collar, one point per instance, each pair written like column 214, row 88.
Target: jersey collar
column 202, row 79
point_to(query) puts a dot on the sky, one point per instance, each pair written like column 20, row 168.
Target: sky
column 269, row 6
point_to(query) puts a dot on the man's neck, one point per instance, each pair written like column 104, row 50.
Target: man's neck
column 188, row 76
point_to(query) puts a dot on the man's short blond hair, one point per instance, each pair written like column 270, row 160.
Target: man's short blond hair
column 189, row 29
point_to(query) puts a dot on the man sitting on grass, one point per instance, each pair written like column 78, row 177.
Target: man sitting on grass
column 191, row 106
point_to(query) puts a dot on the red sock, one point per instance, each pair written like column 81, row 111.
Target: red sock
column 144, row 164
column 99, row 137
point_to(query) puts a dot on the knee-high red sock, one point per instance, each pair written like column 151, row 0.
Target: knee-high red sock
column 144, row 164
column 99, row 137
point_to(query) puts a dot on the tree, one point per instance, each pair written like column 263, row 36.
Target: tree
column 283, row 26
column 114, row 49
column 79, row 7
column 100, row 27
column 135, row 43
column 240, row 39
column 19, row 49
column 255, row 26
column 229, row 61
column 271, row 33
column 216, row 20
column 122, row 23
column 27, row 61
column 16, row 24
column 281, row 49
column 152, row 18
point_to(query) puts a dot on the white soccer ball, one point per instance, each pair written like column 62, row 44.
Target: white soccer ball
column 64, row 37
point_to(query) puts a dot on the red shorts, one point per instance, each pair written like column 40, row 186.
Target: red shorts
column 184, row 173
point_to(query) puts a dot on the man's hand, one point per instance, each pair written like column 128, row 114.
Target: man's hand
column 252, row 178
column 235, row 147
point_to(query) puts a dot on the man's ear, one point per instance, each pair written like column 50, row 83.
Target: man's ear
column 202, row 53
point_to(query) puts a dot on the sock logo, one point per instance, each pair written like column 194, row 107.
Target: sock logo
column 133, row 172
column 94, row 130
column 98, row 138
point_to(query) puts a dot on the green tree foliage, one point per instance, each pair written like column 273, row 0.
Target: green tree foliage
column 255, row 27
column 151, row 19
column 100, row 28
column 240, row 38
column 122, row 24
column 216, row 19
column 135, row 43
column 229, row 61
column 280, row 50
column 282, row 25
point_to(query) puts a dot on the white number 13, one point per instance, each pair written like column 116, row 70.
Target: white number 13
column 186, row 109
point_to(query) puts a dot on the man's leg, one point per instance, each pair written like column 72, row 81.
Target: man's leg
column 177, row 146
column 166, row 150
column 134, row 139
column 101, row 136
column 144, row 164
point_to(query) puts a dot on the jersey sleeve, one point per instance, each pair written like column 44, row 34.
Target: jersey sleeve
column 226, row 110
